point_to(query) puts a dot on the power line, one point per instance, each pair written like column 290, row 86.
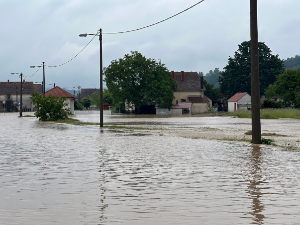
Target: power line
column 122, row 32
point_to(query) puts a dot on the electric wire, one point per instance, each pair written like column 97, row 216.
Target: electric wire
column 122, row 32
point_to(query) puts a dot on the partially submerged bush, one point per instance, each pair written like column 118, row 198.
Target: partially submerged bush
column 50, row 108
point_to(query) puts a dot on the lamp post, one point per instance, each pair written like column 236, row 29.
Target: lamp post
column 21, row 103
column 99, row 33
column 43, row 85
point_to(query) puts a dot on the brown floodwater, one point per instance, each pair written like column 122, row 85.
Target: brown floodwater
column 63, row 174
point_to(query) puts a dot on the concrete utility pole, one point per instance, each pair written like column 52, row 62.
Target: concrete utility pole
column 255, row 85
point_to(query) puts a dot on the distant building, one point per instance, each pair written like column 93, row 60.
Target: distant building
column 88, row 92
column 240, row 101
column 11, row 91
column 190, row 89
column 59, row 93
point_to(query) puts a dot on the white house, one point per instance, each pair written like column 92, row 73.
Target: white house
column 240, row 101
column 59, row 92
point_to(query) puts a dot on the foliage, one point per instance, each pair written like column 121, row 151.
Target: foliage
column 287, row 86
column 237, row 73
column 50, row 108
column 211, row 92
column 212, row 77
column 292, row 63
column 78, row 105
column 270, row 113
column 139, row 80
column 213, row 108
column 266, row 141
column 269, row 103
column 86, row 102
column 107, row 97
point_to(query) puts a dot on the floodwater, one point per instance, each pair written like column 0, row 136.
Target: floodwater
column 63, row 174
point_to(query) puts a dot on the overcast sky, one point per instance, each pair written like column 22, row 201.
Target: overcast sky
column 200, row 39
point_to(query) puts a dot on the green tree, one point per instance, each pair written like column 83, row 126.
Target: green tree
column 236, row 76
column 50, row 108
column 211, row 92
column 139, row 80
column 107, row 97
column 292, row 63
column 287, row 86
column 86, row 102
column 212, row 77
column 78, row 105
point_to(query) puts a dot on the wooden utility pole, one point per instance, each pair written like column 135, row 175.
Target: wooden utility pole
column 255, row 86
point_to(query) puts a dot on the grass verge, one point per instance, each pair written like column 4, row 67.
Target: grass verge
column 270, row 113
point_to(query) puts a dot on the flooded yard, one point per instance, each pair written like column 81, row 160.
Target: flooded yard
column 64, row 174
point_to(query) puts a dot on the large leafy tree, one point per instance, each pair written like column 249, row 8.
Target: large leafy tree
column 236, row 76
column 139, row 80
column 292, row 63
column 287, row 86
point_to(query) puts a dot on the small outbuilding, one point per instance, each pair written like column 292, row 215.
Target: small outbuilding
column 59, row 93
column 240, row 101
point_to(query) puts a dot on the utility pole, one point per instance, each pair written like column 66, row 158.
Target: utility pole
column 21, row 91
column 255, row 86
column 101, row 80
column 44, row 83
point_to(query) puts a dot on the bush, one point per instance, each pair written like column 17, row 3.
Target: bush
column 50, row 108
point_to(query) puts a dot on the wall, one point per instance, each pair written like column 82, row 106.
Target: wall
column 199, row 108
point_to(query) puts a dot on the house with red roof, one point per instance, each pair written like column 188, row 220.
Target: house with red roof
column 59, row 93
column 240, row 101
column 190, row 89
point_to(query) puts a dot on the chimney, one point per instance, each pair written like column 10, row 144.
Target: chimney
column 24, row 81
column 54, row 85
column 182, row 75
column 172, row 72
column 201, row 83
column 7, row 81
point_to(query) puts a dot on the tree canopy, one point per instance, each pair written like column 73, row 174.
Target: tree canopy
column 212, row 77
column 236, row 76
column 287, row 86
column 139, row 80
column 292, row 63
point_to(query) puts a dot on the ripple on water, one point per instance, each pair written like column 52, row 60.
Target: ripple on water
column 53, row 173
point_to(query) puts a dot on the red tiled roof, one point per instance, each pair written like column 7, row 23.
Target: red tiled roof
column 237, row 97
column 59, row 92
column 191, row 81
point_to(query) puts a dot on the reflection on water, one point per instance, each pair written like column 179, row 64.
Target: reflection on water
column 254, row 187
column 62, row 174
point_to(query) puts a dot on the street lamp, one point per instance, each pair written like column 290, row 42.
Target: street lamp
column 43, row 88
column 21, row 103
column 99, row 33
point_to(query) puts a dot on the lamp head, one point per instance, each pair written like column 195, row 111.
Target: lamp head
column 83, row 35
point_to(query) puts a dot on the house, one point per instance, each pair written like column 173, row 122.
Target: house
column 59, row 93
column 240, row 101
column 190, row 89
column 10, row 91
column 88, row 92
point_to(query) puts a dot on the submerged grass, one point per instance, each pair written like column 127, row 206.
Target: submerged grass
column 270, row 113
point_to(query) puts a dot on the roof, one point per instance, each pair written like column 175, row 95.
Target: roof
column 182, row 106
column 11, row 88
column 87, row 92
column 237, row 97
column 59, row 92
column 199, row 99
column 191, row 81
